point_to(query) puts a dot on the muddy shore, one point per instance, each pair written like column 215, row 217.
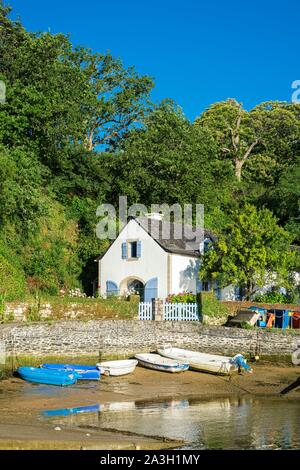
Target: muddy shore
column 21, row 404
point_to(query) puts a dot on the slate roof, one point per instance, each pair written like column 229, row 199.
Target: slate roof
column 175, row 237
column 166, row 235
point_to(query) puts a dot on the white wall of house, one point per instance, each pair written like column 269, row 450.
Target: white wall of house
column 232, row 292
column 153, row 262
column 228, row 293
column 184, row 274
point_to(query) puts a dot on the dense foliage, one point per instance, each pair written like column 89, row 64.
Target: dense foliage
column 249, row 252
column 274, row 298
column 78, row 129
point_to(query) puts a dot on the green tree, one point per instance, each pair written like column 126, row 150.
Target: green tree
column 22, row 196
column 58, row 94
column 62, row 103
column 77, row 129
column 285, row 199
column 264, row 139
column 251, row 250
column 168, row 160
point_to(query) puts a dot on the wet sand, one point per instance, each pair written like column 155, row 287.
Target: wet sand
column 21, row 404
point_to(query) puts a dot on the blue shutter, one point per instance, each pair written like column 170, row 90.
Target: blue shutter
column 151, row 290
column 111, row 289
column 139, row 250
column 124, row 250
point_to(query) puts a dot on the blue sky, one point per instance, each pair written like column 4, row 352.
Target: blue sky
column 197, row 51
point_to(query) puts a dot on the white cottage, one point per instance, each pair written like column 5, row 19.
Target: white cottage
column 142, row 259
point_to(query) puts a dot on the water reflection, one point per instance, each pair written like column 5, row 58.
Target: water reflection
column 71, row 411
column 223, row 424
column 50, row 391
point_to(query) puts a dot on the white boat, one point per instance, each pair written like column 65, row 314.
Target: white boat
column 157, row 362
column 214, row 364
column 117, row 368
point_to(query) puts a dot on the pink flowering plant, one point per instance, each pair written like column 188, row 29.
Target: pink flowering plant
column 182, row 297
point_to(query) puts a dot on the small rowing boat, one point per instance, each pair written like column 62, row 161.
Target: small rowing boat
column 83, row 372
column 214, row 364
column 157, row 362
column 117, row 368
column 49, row 377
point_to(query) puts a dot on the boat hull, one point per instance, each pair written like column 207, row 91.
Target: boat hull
column 83, row 372
column 156, row 362
column 41, row 376
column 117, row 368
column 201, row 362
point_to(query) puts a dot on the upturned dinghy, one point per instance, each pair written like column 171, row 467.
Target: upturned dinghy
column 157, row 362
column 83, row 372
column 48, row 377
column 117, row 368
column 214, row 364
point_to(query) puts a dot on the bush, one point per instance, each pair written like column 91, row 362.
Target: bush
column 211, row 306
column 183, row 297
column 273, row 298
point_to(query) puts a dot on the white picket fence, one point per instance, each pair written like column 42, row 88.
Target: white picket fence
column 181, row 312
column 145, row 311
column 172, row 312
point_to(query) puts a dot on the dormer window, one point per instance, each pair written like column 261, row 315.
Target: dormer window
column 131, row 250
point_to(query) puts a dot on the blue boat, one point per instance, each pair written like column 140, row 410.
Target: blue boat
column 49, row 377
column 83, row 372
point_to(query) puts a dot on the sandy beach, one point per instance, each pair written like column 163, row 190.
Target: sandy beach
column 22, row 403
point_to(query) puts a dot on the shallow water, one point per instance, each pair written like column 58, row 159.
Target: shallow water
column 220, row 424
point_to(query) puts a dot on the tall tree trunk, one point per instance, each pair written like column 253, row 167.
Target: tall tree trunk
column 239, row 162
column 88, row 141
column 238, row 169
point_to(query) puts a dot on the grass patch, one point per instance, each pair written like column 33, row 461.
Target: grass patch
column 94, row 309
column 276, row 359
column 49, row 309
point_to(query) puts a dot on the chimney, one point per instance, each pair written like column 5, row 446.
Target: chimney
column 155, row 216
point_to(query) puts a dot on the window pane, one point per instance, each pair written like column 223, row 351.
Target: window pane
column 133, row 249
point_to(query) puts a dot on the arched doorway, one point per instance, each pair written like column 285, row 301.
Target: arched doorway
column 133, row 286
column 136, row 287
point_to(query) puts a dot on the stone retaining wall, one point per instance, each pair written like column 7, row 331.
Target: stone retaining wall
column 125, row 338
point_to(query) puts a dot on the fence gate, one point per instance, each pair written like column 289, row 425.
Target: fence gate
column 171, row 312
column 145, row 311
column 181, row 312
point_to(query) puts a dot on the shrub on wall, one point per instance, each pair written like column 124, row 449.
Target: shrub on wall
column 273, row 298
column 183, row 297
column 210, row 306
